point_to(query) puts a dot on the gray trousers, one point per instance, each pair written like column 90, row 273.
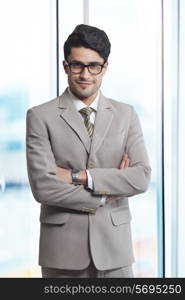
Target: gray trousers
column 89, row 272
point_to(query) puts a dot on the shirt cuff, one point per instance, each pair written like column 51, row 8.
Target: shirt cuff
column 103, row 201
column 89, row 180
column 90, row 186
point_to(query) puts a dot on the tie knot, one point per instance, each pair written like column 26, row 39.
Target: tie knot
column 86, row 111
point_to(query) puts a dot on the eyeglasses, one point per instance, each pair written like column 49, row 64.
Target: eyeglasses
column 77, row 67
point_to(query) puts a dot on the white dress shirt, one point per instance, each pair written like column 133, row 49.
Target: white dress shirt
column 79, row 104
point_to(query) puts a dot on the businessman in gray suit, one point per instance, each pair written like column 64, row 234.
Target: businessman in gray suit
column 85, row 157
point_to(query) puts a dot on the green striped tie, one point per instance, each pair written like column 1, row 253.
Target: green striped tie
column 86, row 111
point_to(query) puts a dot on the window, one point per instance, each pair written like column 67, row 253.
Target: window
column 28, row 69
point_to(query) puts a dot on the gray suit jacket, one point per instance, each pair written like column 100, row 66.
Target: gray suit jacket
column 74, row 227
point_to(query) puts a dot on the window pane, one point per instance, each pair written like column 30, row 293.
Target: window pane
column 134, row 77
column 27, row 63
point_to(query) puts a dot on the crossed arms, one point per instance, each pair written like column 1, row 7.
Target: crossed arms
column 65, row 175
column 50, row 184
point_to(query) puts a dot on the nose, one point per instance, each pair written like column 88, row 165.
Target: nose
column 85, row 73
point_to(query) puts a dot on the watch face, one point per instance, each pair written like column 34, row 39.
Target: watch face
column 75, row 174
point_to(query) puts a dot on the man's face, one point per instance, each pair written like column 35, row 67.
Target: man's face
column 84, row 85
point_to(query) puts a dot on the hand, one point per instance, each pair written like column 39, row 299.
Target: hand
column 64, row 174
column 123, row 165
column 125, row 162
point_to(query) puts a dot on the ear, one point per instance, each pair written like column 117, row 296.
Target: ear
column 66, row 68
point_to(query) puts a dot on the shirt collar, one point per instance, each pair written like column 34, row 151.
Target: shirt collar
column 79, row 103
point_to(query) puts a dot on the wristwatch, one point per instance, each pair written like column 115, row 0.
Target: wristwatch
column 75, row 176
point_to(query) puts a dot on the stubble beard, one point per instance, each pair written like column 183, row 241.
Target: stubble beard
column 83, row 93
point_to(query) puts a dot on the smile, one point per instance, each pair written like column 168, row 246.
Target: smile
column 84, row 83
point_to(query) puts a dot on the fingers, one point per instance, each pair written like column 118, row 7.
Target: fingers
column 122, row 165
column 125, row 162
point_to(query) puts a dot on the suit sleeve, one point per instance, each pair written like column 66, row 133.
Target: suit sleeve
column 132, row 180
column 46, row 186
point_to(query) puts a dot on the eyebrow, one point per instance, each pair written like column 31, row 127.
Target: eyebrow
column 91, row 62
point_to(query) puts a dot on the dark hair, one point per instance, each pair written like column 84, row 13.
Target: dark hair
column 88, row 37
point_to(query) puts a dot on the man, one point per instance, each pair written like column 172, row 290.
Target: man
column 85, row 156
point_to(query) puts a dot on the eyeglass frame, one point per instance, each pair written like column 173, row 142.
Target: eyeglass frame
column 85, row 66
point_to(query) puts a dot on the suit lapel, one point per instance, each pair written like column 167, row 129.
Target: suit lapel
column 103, row 122
column 69, row 113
